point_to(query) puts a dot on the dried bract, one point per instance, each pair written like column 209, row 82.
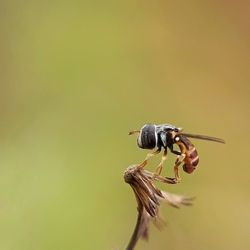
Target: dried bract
column 148, row 198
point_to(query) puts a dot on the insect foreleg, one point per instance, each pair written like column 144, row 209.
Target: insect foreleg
column 159, row 167
column 174, row 151
column 149, row 155
column 178, row 162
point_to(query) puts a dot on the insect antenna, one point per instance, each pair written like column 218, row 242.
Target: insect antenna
column 134, row 132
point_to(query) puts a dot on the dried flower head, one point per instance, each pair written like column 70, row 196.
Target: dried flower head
column 148, row 198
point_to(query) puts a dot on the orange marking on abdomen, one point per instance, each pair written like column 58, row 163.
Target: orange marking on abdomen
column 191, row 160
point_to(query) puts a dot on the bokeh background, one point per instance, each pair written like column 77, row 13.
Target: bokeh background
column 76, row 76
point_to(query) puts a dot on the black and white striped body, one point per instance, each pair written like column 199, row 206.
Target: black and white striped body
column 155, row 136
column 165, row 136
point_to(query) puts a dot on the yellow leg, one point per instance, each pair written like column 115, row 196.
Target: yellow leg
column 178, row 162
column 157, row 174
column 160, row 166
column 149, row 155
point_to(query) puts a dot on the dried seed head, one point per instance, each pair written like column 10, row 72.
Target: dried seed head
column 148, row 198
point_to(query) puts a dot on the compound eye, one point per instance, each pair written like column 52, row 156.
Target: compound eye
column 177, row 138
column 147, row 138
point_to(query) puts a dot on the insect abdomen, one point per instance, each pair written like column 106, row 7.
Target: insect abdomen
column 191, row 160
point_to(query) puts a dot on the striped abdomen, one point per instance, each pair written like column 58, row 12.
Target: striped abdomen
column 192, row 159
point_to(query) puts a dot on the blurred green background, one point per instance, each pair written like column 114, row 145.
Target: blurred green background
column 76, row 76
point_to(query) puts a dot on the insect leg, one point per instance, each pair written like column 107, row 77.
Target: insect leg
column 178, row 162
column 159, row 167
column 157, row 174
column 149, row 155
column 174, row 151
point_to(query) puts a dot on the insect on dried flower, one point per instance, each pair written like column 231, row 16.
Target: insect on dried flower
column 148, row 198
